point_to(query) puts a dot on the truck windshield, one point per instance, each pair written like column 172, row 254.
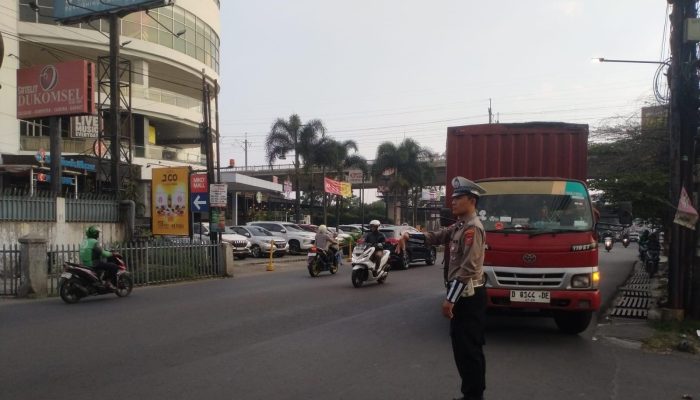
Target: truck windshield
column 537, row 206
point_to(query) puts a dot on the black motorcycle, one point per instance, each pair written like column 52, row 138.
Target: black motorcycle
column 625, row 241
column 651, row 262
column 319, row 260
column 78, row 281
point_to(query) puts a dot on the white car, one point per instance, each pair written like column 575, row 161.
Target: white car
column 299, row 240
column 261, row 241
column 241, row 245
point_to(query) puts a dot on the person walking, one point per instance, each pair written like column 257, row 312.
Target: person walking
column 465, row 302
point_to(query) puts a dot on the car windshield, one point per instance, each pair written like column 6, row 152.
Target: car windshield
column 229, row 231
column 535, row 206
column 294, row 228
column 258, row 231
column 389, row 233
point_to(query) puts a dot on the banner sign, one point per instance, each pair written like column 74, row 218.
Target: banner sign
column 430, row 195
column 170, row 214
column 218, row 220
column 217, row 195
column 199, row 183
column 62, row 89
column 82, row 10
column 686, row 215
column 331, row 186
column 346, row 189
column 355, row 177
column 85, row 126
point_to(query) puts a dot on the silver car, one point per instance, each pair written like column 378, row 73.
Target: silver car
column 299, row 240
column 261, row 241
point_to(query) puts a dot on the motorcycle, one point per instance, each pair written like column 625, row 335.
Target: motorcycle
column 319, row 260
column 364, row 268
column 608, row 241
column 625, row 241
column 651, row 262
column 78, row 281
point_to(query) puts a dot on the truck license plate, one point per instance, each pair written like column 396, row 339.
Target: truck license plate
column 529, row 296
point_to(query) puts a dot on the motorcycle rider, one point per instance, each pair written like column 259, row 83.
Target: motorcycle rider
column 643, row 241
column 375, row 239
column 323, row 241
column 92, row 255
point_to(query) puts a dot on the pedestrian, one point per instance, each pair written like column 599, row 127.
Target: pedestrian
column 465, row 303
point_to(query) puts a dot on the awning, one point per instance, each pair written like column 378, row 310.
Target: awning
column 243, row 183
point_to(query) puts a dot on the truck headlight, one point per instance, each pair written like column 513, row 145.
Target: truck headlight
column 581, row 281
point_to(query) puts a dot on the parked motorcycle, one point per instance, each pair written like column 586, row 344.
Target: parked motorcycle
column 78, row 281
column 625, row 241
column 319, row 260
column 652, row 261
column 364, row 268
column 608, row 241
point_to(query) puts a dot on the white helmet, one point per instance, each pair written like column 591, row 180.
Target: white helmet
column 374, row 222
column 322, row 229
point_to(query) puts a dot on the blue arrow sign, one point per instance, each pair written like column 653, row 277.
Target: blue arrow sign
column 200, row 202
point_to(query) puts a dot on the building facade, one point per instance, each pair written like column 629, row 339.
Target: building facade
column 170, row 49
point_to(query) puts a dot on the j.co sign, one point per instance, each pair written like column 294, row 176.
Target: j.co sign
column 63, row 89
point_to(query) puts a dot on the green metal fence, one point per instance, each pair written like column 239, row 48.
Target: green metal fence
column 18, row 207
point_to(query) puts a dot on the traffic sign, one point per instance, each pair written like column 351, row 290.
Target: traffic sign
column 200, row 202
column 217, row 195
column 199, row 183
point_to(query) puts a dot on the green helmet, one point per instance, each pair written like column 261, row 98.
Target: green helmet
column 93, row 232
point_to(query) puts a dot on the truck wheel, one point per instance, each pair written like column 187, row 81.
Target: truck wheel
column 573, row 323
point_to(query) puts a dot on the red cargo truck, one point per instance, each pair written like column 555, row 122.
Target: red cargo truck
column 541, row 247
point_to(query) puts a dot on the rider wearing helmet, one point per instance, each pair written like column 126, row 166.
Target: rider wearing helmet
column 92, row 255
column 323, row 240
column 375, row 239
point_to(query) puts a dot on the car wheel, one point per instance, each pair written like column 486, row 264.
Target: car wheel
column 255, row 251
column 405, row 261
column 294, row 247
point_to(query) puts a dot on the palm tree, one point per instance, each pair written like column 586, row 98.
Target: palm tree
column 292, row 135
column 409, row 164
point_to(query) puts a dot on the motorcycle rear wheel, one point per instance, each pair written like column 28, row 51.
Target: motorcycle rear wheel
column 125, row 284
column 68, row 292
column 333, row 268
column 314, row 269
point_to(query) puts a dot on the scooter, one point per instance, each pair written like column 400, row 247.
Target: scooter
column 364, row 268
column 625, row 241
column 608, row 241
column 78, row 281
column 652, row 261
column 319, row 260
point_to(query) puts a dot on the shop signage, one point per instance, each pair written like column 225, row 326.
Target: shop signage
column 170, row 213
column 62, row 89
column 81, row 10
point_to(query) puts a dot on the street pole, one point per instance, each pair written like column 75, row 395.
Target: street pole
column 55, row 152
column 114, row 93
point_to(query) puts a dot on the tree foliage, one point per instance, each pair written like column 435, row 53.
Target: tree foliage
column 632, row 164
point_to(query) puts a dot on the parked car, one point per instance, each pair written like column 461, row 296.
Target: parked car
column 353, row 230
column 299, row 240
column 241, row 245
column 416, row 247
column 309, row 227
column 260, row 239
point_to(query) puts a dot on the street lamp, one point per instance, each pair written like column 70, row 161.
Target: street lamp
column 602, row 60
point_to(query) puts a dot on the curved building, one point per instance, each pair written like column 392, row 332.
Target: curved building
column 169, row 48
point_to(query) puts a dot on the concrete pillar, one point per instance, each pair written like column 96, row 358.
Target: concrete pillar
column 227, row 258
column 33, row 263
column 60, row 212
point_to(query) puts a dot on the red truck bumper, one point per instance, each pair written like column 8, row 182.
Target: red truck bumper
column 571, row 300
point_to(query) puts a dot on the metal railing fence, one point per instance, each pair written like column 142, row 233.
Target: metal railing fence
column 91, row 210
column 151, row 262
column 20, row 207
column 10, row 270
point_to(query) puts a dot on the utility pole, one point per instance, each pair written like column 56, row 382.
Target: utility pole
column 245, row 149
column 114, row 93
column 683, row 124
column 490, row 113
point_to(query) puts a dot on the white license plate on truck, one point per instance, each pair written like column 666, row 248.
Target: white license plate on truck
column 529, row 296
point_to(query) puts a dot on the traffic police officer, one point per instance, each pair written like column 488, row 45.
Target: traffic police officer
column 465, row 303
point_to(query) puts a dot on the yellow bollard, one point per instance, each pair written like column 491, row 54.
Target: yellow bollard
column 271, row 264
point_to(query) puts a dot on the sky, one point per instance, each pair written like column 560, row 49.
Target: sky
column 385, row 70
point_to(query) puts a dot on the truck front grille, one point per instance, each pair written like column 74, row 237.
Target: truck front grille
column 529, row 279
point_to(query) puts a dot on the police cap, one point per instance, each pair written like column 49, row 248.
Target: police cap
column 462, row 186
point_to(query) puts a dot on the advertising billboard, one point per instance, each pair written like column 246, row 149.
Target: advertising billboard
column 170, row 214
column 85, row 126
column 62, row 89
column 83, row 10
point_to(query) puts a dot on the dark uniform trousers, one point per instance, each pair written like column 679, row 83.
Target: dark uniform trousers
column 467, row 332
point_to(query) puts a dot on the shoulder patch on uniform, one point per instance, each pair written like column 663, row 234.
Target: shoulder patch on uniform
column 469, row 236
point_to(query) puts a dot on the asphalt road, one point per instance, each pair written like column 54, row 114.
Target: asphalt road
column 285, row 335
